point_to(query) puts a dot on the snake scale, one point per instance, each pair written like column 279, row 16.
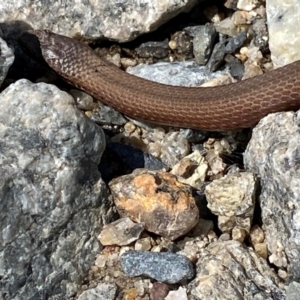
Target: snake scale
column 227, row 107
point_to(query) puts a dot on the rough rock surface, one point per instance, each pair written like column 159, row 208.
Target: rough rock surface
column 164, row 267
column 6, row 59
column 273, row 154
column 283, row 26
column 232, row 198
column 229, row 270
column 118, row 20
column 157, row 200
column 52, row 199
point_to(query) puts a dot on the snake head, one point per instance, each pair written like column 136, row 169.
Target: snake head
column 52, row 48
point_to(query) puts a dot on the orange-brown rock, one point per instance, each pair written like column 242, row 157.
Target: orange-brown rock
column 157, row 200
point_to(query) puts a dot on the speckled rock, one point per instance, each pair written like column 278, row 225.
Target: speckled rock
column 120, row 20
column 164, row 267
column 52, row 199
column 157, row 200
column 283, row 25
column 229, row 270
column 272, row 154
column 6, row 59
column 232, row 198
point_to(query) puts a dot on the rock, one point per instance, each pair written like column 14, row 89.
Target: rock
column 143, row 244
column 232, row 198
column 256, row 235
column 191, row 170
column 182, row 45
column 235, row 66
column 217, row 56
column 6, row 59
column 84, row 101
column 284, row 39
column 174, row 147
column 180, row 294
column 103, row 291
column 272, row 154
column 293, row 291
column 226, row 27
column 52, row 198
column 157, row 200
column 121, row 232
column 186, row 73
column 203, row 42
column 122, row 21
column 229, row 270
column 159, row 291
column 106, row 115
column 164, row 267
column 153, row 49
column 238, row 234
column 248, row 4
column 261, row 249
column 261, row 35
column 236, row 42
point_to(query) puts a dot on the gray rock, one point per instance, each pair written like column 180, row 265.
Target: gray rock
column 203, row 42
column 273, row 154
column 236, row 42
column 107, row 115
column 229, row 270
column 153, row 49
column 6, row 59
column 103, row 291
column 293, row 291
column 186, row 73
column 118, row 20
column 217, row 56
column 164, row 267
column 260, row 30
column 52, row 199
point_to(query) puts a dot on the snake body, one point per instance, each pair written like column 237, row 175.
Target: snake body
column 233, row 106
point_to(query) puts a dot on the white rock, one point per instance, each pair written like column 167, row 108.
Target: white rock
column 283, row 25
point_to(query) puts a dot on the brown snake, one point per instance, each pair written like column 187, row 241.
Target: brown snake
column 238, row 105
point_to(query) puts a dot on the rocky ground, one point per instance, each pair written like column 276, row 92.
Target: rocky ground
column 94, row 205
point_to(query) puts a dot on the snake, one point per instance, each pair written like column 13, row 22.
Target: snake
column 220, row 108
